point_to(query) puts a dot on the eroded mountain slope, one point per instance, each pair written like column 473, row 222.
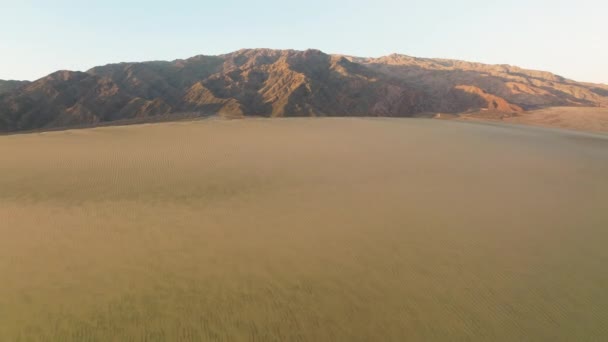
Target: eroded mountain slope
column 265, row 82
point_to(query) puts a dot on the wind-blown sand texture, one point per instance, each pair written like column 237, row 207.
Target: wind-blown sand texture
column 304, row 230
column 593, row 119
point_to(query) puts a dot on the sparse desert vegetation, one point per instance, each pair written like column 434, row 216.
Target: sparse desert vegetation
column 304, row 230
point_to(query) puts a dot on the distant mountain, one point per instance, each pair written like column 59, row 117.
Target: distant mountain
column 7, row 86
column 266, row 82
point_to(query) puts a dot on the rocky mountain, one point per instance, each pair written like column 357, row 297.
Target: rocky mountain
column 7, row 86
column 502, row 87
column 264, row 82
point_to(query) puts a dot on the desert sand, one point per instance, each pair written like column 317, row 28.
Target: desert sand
column 348, row 229
column 594, row 119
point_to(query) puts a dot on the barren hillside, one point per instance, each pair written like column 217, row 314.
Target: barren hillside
column 264, row 82
column 8, row 86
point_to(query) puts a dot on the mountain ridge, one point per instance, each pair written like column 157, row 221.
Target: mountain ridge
column 267, row 82
column 10, row 85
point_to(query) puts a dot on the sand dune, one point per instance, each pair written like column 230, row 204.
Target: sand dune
column 304, row 230
column 594, row 119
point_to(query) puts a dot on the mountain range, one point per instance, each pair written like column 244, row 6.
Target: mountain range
column 274, row 83
column 7, row 86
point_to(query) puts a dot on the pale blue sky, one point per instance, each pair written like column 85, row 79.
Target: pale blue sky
column 566, row 37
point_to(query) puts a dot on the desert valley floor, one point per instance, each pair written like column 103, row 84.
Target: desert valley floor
column 333, row 229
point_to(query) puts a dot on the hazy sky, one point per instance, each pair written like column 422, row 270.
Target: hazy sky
column 569, row 38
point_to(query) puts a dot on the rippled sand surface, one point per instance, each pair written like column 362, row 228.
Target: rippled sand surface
column 304, row 230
